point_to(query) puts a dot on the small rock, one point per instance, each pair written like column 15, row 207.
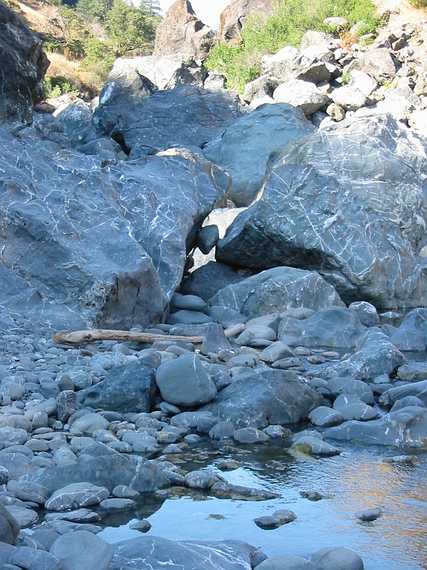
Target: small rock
column 276, row 520
column 141, row 525
column 75, row 496
column 117, row 504
column 315, row 446
column 402, row 459
column 369, row 515
column 311, row 495
column 250, row 435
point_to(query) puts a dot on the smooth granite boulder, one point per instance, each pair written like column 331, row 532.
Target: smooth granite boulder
column 412, row 332
column 186, row 116
column 153, row 552
column 333, row 202
column 128, row 388
column 75, row 496
column 277, row 290
column 82, row 549
column 101, row 466
column 9, row 529
column 208, row 279
column 185, row 382
column 417, row 389
column 375, row 355
column 265, row 397
column 337, row 559
column 245, row 146
column 406, row 427
column 333, row 328
column 23, row 64
column 111, row 244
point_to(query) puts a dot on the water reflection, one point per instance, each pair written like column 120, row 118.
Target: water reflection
column 354, row 481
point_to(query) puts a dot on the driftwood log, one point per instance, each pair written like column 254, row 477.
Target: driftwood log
column 93, row 335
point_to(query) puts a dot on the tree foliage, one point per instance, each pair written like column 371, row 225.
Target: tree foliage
column 291, row 19
column 129, row 28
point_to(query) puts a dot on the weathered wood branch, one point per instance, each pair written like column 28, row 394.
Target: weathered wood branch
column 93, row 335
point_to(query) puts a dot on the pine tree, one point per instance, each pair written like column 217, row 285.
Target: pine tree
column 129, row 28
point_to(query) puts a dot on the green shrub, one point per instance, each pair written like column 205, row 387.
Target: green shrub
column 99, row 58
column 288, row 24
column 56, row 86
column 53, row 45
column 238, row 64
column 418, row 3
column 94, row 9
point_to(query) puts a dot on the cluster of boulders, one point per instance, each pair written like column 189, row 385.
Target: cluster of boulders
column 328, row 80
column 310, row 313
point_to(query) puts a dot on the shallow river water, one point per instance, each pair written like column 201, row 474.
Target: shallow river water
column 353, row 481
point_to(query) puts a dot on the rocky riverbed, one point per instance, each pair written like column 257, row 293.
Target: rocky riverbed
column 276, row 415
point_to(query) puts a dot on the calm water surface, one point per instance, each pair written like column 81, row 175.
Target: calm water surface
column 355, row 480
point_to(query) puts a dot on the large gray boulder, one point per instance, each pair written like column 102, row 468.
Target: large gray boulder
column 334, row 328
column 417, row 389
column 263, row 397
column 164, row 72
column 9, row 529
column 406, row 427
column 89, row 243
column 182, row 32
column 82, row 549
column 208, row 279
column 101, row 466
column 185, row 116
column 185, row 382
column 128, row 388
column 277, row 290
column 245, row 146
column 412, row 332
column 23, row 65
column 374, row 355
column 156, row 552
column 337, row 559
column 336, row 202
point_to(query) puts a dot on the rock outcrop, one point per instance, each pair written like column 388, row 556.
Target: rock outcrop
column 88, row 242
column 156, row 552
column 233, row 17
column 164, row 72
column 181, row 32
column 185, row 116
column 277, row 290
column 246, row 145
column 347, row 201
column 23, row 65
column 260, row 398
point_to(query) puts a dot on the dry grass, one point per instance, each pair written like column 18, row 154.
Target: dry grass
column 86, row 82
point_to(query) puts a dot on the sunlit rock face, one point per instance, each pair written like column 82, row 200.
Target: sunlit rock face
column 181, row 32
column 23, row 65
column 347, row 201
column 234, row 15
column 87, row 241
